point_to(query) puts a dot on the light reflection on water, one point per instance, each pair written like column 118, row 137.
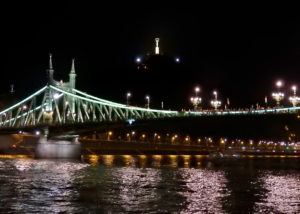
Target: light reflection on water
column 149, row 184
column 29, row 185
column 204, row 190
column 137, row 188
column 283, row 193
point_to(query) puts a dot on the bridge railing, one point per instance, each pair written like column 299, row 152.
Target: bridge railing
column 241, row 112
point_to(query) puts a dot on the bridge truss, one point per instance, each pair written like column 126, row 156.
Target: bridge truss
column 54, row 105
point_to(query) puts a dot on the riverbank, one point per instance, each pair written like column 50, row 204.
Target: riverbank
column 102, row 147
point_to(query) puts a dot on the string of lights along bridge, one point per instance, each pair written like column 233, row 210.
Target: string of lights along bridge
column 60, row 103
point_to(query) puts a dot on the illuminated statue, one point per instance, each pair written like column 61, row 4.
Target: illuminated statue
column 156, row 47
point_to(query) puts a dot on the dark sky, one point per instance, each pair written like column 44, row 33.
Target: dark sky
column 240, row 50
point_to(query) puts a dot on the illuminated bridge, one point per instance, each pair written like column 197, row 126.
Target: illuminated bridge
column 60, row 103
column 63, row 113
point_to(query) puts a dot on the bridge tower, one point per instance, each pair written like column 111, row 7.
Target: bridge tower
column 72, row 76
column 72, row 83
column 48, row 111
column 50, row 71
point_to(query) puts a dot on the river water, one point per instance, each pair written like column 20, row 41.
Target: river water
column 149, row 184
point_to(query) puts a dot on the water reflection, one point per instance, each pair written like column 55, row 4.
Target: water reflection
column 93, row 159
column 149, row 184
column 155, row 161
column 173, row 160
column 137, row 188
column 205, row 189
column 244, row 186
column 142, row 162
column 128, row 160
column 108, row 160
column 283, row 193
column 29, row 185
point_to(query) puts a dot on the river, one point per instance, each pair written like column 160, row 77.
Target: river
column 149, row 184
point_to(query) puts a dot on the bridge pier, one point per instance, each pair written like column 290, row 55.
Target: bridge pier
column 59, row 147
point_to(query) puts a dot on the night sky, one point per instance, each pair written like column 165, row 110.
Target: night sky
column 240, row 50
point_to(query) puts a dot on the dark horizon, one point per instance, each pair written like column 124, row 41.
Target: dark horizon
column 240, row 53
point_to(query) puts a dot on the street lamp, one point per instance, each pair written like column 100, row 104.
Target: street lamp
column 128, row 95
column 294, row 88
column 148, row 101
column 109, row 134
column 278, row 96
column 215, row 102
column 196, row 100
column 294, row 99
column 197, row 89
column 278, row 84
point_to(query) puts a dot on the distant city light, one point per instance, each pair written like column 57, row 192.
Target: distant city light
column 138, row 59
column 177, row 59
column 279, row 83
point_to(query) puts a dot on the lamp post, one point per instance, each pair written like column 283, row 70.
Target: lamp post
column 278, row 96
column 196, row 100
column 294, row 99
column 294, row 88
column 197, row 89
column 128, row 95
column 109, row 134
column 148, row 101
column 215, row 102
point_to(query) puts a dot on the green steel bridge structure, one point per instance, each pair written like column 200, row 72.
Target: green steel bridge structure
column 61, row 103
